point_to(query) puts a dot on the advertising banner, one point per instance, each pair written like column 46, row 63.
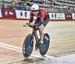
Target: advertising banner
column 0, row 13
column 73, row 16
column 68, row 16
column 57, row 16
column 8, row 13
column 22, row 14
column 52, row 16
column 60, row 16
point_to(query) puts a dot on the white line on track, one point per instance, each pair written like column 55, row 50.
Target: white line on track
column 17, row 49
column 48, row 59
column 10, row 47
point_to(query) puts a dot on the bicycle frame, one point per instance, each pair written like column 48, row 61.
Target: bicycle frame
column 29, row 40
column 34, row 35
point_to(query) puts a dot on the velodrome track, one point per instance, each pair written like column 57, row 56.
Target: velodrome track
column 12, row 35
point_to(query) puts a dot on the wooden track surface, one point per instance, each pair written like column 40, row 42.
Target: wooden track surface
column 12, row 32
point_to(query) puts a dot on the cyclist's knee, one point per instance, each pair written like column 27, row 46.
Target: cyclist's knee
column 41, row 27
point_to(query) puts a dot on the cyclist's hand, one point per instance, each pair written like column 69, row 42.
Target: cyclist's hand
column 31, row 24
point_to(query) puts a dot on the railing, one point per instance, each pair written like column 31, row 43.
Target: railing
column 67, row 1
column 57, row 7
column 64, row 2
column 66, row 6
column 11, row 6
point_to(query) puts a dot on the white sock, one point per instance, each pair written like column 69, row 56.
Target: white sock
column 41, row 41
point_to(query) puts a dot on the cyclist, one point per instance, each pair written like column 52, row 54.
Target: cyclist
column 42, row 19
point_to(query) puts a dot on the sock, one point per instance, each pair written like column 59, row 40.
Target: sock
column 41, row 42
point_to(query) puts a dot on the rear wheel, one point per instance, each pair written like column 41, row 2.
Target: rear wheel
column 43, row 48
column 27, row 46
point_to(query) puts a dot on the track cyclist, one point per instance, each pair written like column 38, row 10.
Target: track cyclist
column 42, row 19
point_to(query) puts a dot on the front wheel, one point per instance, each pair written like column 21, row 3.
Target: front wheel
column 27, row 46
column 44, row 47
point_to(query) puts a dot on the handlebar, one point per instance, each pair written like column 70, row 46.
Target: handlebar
column 32, row 26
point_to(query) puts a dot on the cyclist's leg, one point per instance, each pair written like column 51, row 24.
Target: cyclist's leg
column 37, row 40
column 37, row 22
column 36, row 35
column 41, row 32
column 41, row 29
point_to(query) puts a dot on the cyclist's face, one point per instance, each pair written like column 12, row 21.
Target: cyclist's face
column 36, row 12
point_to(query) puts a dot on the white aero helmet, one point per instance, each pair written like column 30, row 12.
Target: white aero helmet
column 34, row 7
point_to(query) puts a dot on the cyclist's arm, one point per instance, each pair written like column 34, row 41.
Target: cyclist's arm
column 31, row 19
column 42, row 14
column 42, row 17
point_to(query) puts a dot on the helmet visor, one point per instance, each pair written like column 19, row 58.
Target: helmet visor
column 35, row 10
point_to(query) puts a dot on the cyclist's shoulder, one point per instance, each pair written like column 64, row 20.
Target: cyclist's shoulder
column 42, row 9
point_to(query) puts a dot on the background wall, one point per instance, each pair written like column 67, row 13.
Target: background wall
column 24, row 15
